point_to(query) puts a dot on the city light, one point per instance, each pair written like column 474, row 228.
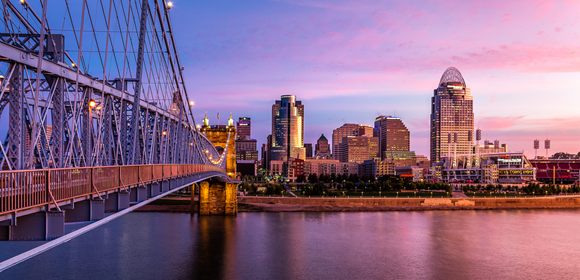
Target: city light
column 169, row 5
column 92, row 103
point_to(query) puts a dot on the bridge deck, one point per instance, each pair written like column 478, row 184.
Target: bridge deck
column 26, row 191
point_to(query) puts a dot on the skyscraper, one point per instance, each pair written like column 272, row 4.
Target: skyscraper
column 451, row 112
column 308, row 147
column 347, row 129
column 287, row 129
column 392, row 133
column 365, row 130
column 359, row 148
column 322, row 147
column 244, row 129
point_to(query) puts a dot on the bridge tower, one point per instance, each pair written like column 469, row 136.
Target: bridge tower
column 222, row 137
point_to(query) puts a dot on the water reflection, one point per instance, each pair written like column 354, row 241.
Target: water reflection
column 524, row 244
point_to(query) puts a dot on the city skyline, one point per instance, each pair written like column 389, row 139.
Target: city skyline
column 352, row 63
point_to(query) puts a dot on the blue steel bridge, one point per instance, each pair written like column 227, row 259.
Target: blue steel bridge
column 94, row 112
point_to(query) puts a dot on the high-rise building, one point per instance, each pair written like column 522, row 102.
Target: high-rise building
column 287, row 129
column 244, row 129
column 308, row 147
column 451, row 116
column 322, row 147
column 266, row 150
column 347, row 129
column 359, row 148
column 393, row 135
column 246, row 149
column 365, row 130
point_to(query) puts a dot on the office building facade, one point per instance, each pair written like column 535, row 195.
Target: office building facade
column 393, row 135
column 451, row 117
column 322, row 147
column 244, row 129
column 287, row 129
column 359, row 148
column 347, row 129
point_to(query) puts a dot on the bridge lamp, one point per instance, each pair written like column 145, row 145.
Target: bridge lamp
column 164, row 133
column 98, row 107
column 190, row 143
column 22, row 2
column 92, row 103
column 169, row 5
column 191, row 103
column 73, row 65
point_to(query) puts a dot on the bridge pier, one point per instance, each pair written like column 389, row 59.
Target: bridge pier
column 172, row 183
column 153, row 189
column 117, row 201
column 138, row 193
column 218, row 198
column 45, row 225
column 164, row 185
column 86, row 210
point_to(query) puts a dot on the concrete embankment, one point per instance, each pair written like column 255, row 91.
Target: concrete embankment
column 283, row 204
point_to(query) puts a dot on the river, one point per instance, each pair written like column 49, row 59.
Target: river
column 500, row 244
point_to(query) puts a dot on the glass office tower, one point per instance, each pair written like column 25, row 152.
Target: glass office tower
column 288, row 129
column 451, row 114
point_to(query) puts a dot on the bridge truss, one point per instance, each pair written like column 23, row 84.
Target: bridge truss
column 94, row 83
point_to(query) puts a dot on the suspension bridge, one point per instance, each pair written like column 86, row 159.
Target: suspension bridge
column 96, row 115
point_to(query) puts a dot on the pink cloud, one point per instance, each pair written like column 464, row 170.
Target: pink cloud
column 498, row 123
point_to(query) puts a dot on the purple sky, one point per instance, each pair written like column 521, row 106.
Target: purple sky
column 350, row 61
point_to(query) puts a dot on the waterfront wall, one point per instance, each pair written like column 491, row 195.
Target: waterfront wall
column 557, row 201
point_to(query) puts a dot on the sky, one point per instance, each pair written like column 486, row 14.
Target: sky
column 351, row 61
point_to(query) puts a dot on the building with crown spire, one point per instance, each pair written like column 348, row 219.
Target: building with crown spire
column 451, row 117
column 322, row 147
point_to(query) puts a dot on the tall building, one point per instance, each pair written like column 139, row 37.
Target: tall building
column 451, row 114
column 308, row 147
column 347, row 129
column 359, row 148
column 287, row 129
column 246, row 149
column 244, row 129
column 393, row 135
column 365, row 130
column 266, row 150
column 322, row 147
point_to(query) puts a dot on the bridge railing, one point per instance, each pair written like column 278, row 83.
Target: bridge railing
column 23, row 189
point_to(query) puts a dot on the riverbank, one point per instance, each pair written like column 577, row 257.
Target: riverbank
column 298, row 204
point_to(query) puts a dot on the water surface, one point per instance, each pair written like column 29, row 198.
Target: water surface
column 515, row 244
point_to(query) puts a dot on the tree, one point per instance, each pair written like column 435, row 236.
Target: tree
column 301, row 178
column 364, row 178
column 353, row 178
column 313, row 178
column 333, row 177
